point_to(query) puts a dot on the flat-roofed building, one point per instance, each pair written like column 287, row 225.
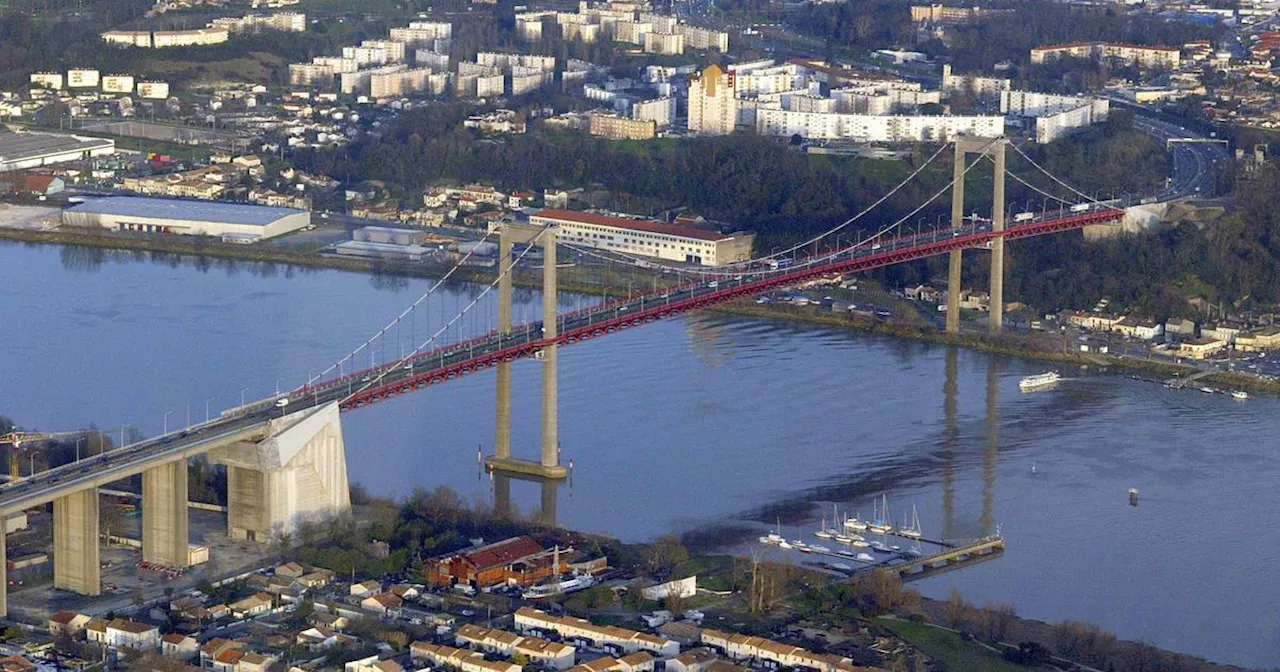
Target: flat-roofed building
column 613, row 127
column 47, row 80
column 23, row 150
column 82, row 78
column 128, row 38
column 161, row 215
column 1148, row 56
column 117, row 84
column 648, row 237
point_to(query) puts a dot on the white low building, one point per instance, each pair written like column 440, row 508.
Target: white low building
column 647, row 238
column 202, row 218
column 876, row 128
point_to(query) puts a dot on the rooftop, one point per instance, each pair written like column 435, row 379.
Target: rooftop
column 503, row 552
column 17, row 146
column 200, row 211
column 647, row 226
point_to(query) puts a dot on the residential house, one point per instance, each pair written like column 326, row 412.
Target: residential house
column 227, row 661
column 1134, row 327
column 317, row 639
column 96, row 630
column 255, row 662
column 1200, row 348
column 316, row 579
column 508, row 644
column 460, row 659
column 380, row 603
column 292, row 570
column 67, row 623
column 16, row 663
column 365, row 589
column 405, row 591
column 1180, row 326
column 684, row 632
column 923, row 293
column 1266, row 338
column 123, row 633
column 1094, row 321
column 1222, row 331
column 744, row 647
column 258, row 603
column 322, row 619
column 182, row 647
column 614, row 639
column 216, row 647
column 218, row 611
column 694, row 660
column 372, row 664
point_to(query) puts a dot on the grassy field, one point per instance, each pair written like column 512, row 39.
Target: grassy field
column 948, row 649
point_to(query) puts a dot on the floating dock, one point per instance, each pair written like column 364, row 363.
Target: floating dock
column 918, row 568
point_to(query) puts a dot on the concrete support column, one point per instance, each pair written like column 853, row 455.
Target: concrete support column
column 164, row 514
column 550, row 493
column 4, row 575
column 502, row 495
column 550, row 383
column 954, row 259
column 76, row 564
column 995, row 319
column 502, row 421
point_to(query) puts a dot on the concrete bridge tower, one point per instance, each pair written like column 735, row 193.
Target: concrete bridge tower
column 501, row 460
column 994, row 147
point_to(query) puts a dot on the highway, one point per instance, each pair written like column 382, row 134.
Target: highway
column 1196, row 165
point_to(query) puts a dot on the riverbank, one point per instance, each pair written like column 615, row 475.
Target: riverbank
column 1008, row 345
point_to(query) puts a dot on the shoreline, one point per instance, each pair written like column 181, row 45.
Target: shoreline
column 594, row 282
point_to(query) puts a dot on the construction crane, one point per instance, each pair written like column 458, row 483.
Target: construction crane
column 16, row 439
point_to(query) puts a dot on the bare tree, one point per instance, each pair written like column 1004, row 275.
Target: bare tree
column 956, row 610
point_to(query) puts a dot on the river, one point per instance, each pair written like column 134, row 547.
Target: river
column 709, row 420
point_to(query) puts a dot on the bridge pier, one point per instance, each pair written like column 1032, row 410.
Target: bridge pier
column 297, row 474
column 165, row 526
column 501, row 460
column 76, row 563
column 549, row 495
column 963, row 147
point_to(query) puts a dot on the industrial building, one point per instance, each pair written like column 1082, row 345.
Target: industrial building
column 19, row 151
column 233, row 222
column 647, row 237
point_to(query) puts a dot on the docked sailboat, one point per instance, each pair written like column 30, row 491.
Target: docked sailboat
column 1039, row 380
column 854, row 525
column 823, row 532
column 912, row 529
column 880, row 520
column 774, row 538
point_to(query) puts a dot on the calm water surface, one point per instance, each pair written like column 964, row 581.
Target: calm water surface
column 708, row 421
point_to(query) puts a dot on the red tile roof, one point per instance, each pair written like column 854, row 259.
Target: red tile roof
column 647, row 226
column 503, row 552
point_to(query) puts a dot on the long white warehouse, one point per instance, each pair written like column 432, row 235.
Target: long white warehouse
column 233, row 221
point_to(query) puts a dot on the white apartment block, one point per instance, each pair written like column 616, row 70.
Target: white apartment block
column 502, row 61
column 117, row 84
column 311, row 75
column 1032, row 104
column 632, row 32
column 701, row 38
column 153, row 90
column 339, row 64
column 667, row 44
column 490, row 86
column 582, row 32
column 290, row 22
column 875, row 128
column 660, row 22
column 82, row 78
column 985, row 87
column 647, row 238
column 424, row 58
column 189, row 38
column 1055, row 125
column 128, row 38
column 756, row 81
column 387, row 84
column 366, row 55
column 713, row 108
column 525, row 80
column 661, row 111
column 441, row 30
column 529, row 29
column 357, row 82
column 1144, row 56
column 395, row 50
column 47, row 80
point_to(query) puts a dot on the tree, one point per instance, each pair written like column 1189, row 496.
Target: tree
column 956, row 610
column 664, row 555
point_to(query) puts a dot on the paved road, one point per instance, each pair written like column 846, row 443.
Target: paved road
column 1196, row 165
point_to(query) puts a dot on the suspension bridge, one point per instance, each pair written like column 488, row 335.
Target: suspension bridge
column 284, row 454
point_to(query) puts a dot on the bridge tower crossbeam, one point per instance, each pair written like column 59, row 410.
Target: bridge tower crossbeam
column 993, row 147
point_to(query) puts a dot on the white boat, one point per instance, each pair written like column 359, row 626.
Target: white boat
column 845, row 539
column 1239, row 394
column 784, row 544
column 858, row 543
column 1207, row 390
column 822, row 532
column 774, row 537
column 912, row 530
column 879, row 546
column 1038, row 380
column 768, row 540
column 819, row 549
column 854, row 524
column 865, row 557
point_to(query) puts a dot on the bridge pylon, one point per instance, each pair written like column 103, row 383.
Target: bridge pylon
column 994, row 147
column 548, row 466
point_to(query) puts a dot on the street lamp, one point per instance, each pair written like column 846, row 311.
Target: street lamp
column 206, row 409
column 166, row 422
column 242, row 395
column 78, row 442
